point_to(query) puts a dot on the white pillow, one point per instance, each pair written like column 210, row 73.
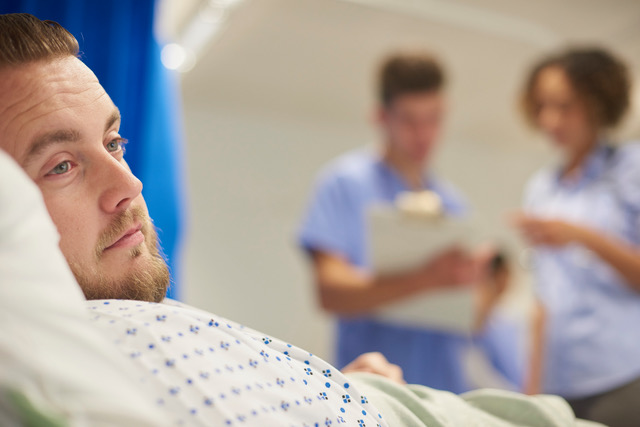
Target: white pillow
column 52, row 361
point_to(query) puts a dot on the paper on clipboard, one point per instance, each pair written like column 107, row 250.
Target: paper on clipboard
column 398, row 243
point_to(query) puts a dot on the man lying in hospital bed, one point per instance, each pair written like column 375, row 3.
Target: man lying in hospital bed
column 124, row 357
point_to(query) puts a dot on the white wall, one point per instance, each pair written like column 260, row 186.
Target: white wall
column 249, row 177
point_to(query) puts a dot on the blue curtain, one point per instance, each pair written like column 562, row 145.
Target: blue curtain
column 117, row 42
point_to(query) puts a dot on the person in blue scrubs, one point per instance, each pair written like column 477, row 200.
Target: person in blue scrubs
column 334, row 233
column 582, row 219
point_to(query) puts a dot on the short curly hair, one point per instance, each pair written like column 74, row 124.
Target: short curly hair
column 600, row 79
column 409, row 72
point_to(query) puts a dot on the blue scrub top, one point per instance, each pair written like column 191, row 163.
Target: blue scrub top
column 336, row 223
column 593, row 326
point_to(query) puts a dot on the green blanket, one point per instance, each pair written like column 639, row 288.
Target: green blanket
column 413, row 405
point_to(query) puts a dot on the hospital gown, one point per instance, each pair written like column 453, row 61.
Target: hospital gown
column 208, row 371
column 211, row 371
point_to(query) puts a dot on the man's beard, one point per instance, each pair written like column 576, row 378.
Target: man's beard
column 149, row 282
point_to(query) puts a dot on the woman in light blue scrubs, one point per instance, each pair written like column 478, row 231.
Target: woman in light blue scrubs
column 583, row 220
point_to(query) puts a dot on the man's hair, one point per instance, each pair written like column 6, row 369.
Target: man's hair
column 599, row 78
column 25, row 38
column 408, row 73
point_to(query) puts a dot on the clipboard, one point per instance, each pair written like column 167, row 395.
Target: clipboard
column 399, row 242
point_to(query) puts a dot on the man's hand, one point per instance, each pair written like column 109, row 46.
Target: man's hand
column 546, row 232
column 454, row 267
column 376, row 363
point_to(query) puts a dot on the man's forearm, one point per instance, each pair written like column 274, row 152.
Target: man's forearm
column 345, row 289
column 367, row 293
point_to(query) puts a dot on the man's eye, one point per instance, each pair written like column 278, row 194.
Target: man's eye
column 60, row 168
column 116, row 145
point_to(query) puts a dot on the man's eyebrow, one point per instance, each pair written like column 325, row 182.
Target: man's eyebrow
column 113, row 119
column 41, row 142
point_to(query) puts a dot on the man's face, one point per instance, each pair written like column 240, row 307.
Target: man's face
column 412, row 124
column 60, row 125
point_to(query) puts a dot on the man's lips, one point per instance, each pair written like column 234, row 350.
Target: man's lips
column 131, row 237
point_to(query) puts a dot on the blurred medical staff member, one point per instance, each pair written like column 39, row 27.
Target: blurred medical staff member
column 410, row 116
column 583, row 219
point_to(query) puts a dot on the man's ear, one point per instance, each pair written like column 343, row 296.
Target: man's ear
column 380, row 116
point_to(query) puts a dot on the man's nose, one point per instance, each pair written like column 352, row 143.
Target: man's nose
column 121, row 187
column 549, row 119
